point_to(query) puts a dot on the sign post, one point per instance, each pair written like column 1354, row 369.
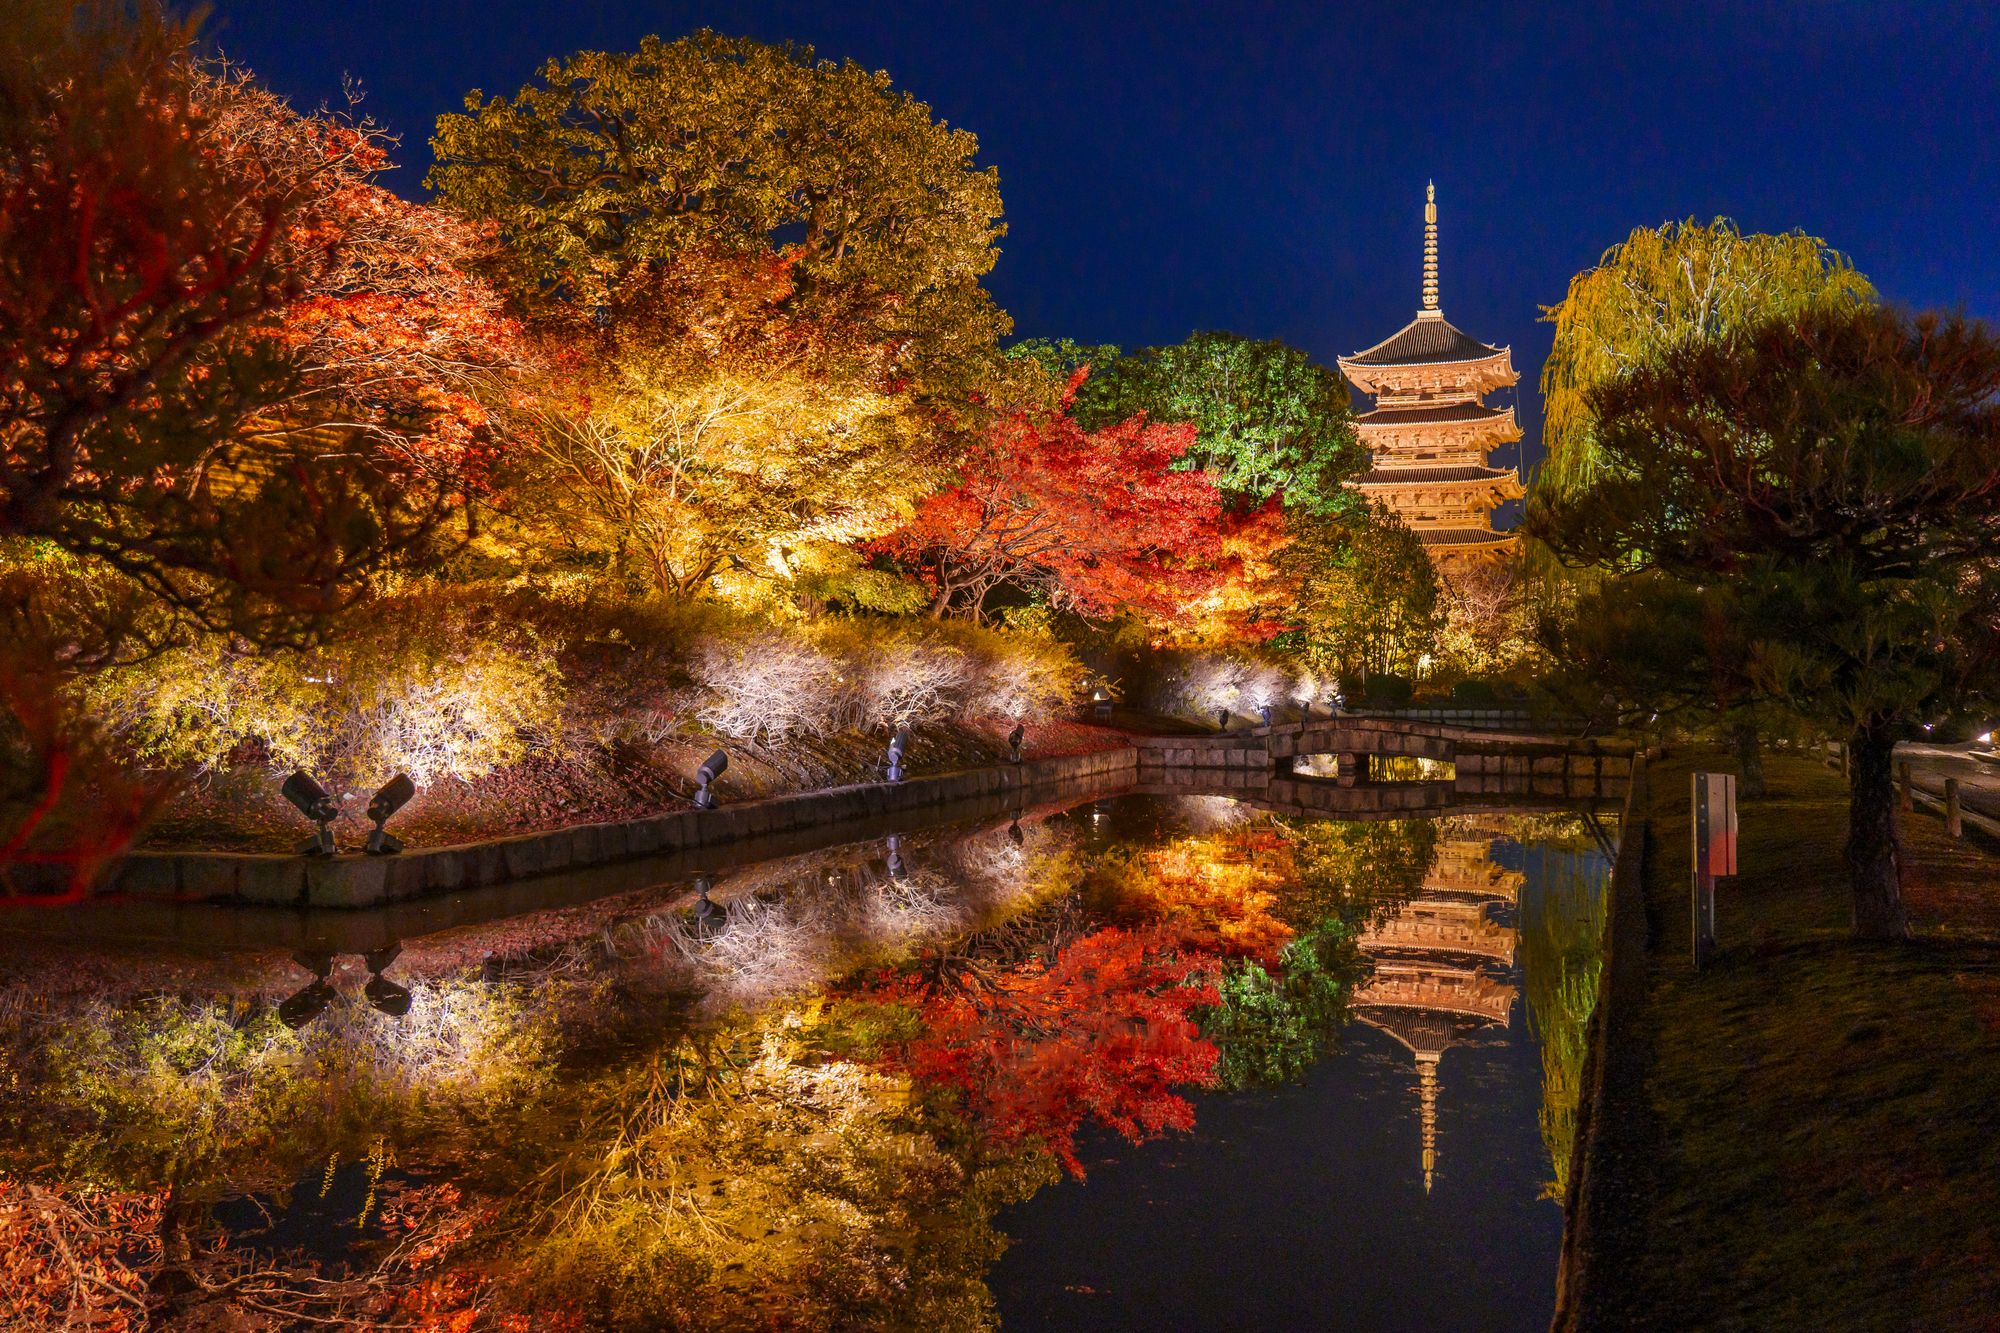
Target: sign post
column 1714, row 852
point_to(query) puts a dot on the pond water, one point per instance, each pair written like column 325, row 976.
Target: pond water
column 1110, row 1063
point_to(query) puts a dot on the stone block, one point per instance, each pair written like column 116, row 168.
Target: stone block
column 149, row 874
column 269, row 879
column 1548, row 786
column 444, row 870
column 1616, row 766
column 642, row 837
column 1547, row 765
column 522, row 857
column 485, row 863
column 585, row 846
column 406, row 875
column 346, row 881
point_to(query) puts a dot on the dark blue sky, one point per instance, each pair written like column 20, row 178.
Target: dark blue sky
column 1260, row 167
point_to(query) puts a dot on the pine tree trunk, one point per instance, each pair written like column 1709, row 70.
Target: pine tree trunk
column 1749, row 759
column 1873, row 856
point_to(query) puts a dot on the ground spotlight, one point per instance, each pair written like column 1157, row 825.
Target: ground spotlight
column 897, row 870
column 1265, row 710
column 1102, row 698
column 382, row 994
column 317, row 804
column 705, row 776
column 308, row 1004
column 1014, row 739
column 1337, row 702
column 898, row 744
column 1305, row 710
column 1222, row 718
column 707, row 916
column 395, row 794
column 1014, row 834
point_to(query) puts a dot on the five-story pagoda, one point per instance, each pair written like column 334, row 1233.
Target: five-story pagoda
column 1431, row 430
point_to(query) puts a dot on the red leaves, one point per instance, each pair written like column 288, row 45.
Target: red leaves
column 1096, row 520
column 64, row 1257
column 1103, row 1034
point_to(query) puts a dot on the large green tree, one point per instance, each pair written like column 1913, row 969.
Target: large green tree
column 1661, row 287
column 608, row 162
column 1838, row 475
column 1268, row 421
column 1367, row 597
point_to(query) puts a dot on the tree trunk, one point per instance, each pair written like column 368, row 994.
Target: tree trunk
column 1873, row 856
column 1749, row 759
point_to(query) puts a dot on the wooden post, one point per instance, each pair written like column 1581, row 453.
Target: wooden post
column 1845, row 771
column 1954, row 827
column 1903, row 777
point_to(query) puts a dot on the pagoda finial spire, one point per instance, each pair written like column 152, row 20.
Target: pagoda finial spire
column 1430, row 248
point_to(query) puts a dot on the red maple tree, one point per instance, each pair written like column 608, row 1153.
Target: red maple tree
column 1094, row 520
column 1102, row 1034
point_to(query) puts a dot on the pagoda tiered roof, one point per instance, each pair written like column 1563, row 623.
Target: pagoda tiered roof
column 1433, row 476
column 1400, row 414
column 1429, row 339
column 1464, row 538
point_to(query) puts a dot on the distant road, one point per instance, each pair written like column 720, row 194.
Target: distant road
column 1977, row 769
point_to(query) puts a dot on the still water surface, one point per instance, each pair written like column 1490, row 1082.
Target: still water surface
column 1340, row 1061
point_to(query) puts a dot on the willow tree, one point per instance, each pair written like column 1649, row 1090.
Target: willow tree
column 1837, row 476
column 1663, row 287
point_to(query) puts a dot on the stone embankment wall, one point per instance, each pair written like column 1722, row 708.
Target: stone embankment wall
column 365, row 881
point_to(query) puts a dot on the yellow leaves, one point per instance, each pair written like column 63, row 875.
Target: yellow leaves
column 1226, row 881
column 1661, row 287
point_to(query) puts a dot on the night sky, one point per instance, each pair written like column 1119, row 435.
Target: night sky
column 1260, row 168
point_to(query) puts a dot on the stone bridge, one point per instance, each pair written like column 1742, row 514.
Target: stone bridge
column 1489, row 770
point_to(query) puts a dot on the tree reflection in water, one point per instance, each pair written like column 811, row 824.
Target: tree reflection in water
column 794, row 1099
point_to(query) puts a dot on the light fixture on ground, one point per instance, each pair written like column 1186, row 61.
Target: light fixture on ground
column 1222, row 718
column 309, row 1003
column 708, row 917
column 898, row 745
column 317, row 804
column 1014, row 739
column 897, row 870
column 1102, row 698
column 1265, row 711
column 705, row 776
column 382, row 994
column 395, row 794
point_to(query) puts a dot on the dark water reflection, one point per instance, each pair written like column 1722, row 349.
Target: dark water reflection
column 744, row 1091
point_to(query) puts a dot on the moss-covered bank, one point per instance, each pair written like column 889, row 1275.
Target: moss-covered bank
column 1811, row 1135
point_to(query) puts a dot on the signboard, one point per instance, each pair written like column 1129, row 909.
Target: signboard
column 1715, row 823
column 1714, row 852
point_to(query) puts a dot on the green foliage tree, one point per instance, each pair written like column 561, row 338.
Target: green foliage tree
column 608, row 162
column 1269, row 422
column 1838, row 474
column 1367, row 600
column 1657, row 289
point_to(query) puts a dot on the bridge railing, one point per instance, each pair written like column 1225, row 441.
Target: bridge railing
column 1494, row 719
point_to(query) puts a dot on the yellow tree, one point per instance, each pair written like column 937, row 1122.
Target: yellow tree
column 1660, row 288
column 713, row 433
column 609, row 163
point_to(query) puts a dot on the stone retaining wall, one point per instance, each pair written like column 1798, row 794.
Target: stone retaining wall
column 365, row 881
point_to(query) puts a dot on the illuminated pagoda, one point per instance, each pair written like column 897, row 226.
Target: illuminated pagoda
column 1430, row 430
column 1430, row 989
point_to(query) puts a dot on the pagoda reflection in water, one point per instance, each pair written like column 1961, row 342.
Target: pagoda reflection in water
column 1432, row 988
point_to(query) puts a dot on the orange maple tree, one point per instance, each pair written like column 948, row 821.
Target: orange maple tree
column 1102, row 1034
column 1092, row 520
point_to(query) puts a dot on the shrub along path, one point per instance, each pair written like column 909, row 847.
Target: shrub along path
column 1821, row 1118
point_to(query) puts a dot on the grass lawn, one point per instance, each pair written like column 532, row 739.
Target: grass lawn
column 1822, row 1118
